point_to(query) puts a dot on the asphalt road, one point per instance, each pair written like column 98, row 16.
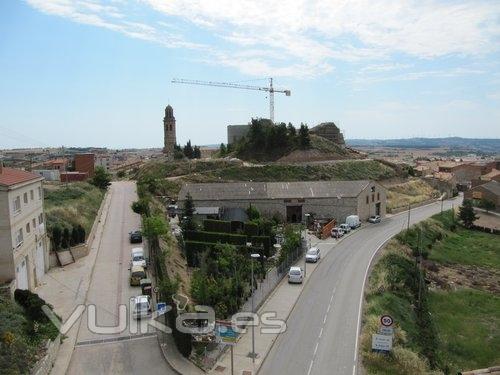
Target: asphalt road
column 321, row 336
column 128, row 351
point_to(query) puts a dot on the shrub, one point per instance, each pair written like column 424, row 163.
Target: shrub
column 32, row 304
column 81, row 233
column 74, row 239
column 219, row 226
column 211, row 237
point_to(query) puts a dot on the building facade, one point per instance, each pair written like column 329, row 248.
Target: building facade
column 292, row 200
column 487, row 191
column 169, row 137
column 329, row 131
column 23, row 240
column 85, row 163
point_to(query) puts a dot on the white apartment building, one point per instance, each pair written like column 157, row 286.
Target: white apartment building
column 23, row 240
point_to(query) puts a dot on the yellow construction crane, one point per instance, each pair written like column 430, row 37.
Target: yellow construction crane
column 271, row 90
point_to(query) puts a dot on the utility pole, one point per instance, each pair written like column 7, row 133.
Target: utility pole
column 409, row 209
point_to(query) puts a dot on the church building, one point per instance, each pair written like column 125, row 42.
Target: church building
column 169, row 132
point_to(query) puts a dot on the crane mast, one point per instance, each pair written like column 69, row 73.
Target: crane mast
column 271, row 90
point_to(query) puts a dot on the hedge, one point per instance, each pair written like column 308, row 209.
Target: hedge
column 232, row 239
column 193, row 250
column 218, row 226
column 251, row 229
column 263, row 240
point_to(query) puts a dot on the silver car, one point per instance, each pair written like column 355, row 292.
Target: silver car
column 313, row 255
column 374, row 219
column 295, row 275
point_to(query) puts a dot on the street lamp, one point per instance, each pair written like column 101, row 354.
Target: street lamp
column 252, row 257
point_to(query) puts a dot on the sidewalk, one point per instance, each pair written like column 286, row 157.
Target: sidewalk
column 281, row 301
column 66, row 287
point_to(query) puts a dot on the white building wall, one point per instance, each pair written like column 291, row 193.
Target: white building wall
column 30, row 220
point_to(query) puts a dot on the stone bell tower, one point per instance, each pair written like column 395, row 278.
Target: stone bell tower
column 169, row 131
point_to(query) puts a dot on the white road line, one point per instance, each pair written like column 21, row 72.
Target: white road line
column 310, row 368
column 324, row 319
column 354, row 370
column 316, row 348
column 328, row 309
column 320, row 333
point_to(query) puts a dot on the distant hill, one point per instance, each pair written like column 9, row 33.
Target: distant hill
column 464, row 144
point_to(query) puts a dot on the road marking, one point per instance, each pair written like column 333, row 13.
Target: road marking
column 320, row 333
column 328, row 309
column 316, row 348
column 310, row 367
column 324, row 319
column 354, row 370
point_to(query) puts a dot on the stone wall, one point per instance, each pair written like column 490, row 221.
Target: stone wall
column 44, row 365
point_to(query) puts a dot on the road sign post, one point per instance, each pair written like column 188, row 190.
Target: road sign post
column 381, row 343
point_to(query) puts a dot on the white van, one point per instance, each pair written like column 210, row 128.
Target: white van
column 138, row 259
column 353, row 221
column 142, row 307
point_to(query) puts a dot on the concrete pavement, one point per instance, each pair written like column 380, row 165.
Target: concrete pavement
column 102, row 279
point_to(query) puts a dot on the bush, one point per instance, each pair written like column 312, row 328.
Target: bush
column 219, row 226
column 32, row 304
column 141, row 206
column 251, row 229
column 81, row 233
column 211, row 237
column 193, row 250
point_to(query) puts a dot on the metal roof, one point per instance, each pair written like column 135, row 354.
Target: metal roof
column 273, row 190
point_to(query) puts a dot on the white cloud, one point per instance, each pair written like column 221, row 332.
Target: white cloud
column 305, row 38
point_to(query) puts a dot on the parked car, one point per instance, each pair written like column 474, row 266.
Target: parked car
column 353, row 221
column 142, row 307
column 295, row 275
column 374, row 219
column 346, row 228
column 313, row 255
column 137, row 273
column 137, row 257
column 135, row 236
column 337, row 232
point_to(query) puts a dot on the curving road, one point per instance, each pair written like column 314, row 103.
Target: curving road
column 322, row 332
column 125, row 352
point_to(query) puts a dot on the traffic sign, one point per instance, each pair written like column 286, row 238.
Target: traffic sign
column 386, row 320
column 381, row 343
column 161, row 307
column 156, row 289
column 388, row 331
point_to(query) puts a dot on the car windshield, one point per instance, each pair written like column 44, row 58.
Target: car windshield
column 137, row 257
column 294, row 272
column 141, row 306
column 312, row 252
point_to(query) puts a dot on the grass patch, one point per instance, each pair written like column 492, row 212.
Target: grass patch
column 72, row 204
column 468, row 323
column 410, row 192
column 469, row 248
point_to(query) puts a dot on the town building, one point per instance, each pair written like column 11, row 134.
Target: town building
column 329, row 131
column 169, row 139
column 487, row 191
column 23, row 239
column 292, row 200
column 85, row 163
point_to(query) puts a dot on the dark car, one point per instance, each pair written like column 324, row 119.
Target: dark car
column 136, row 237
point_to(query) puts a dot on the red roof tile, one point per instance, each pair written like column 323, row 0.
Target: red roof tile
column 11, row 176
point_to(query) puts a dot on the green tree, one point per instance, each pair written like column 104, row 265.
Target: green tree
column 196, row 153
column 141, row 206
column 65, row 239
column 222, row 150
column 188, row 214
column 120, row 174
column 81, row 233
column 154, row 226
column 56, row 237
column 466, row 213
column 253, row 213
column 74, row 239
column 487, row 204
column 101, row 179
column 188, row 150
column 304, row 139
column 292, row 132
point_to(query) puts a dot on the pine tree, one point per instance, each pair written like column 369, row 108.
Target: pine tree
column 467, row 214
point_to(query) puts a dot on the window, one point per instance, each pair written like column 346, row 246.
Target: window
column 40, row 219
column 39, row 192
column 28, row 229
column 32, row 194
column 34, row 223
column 19, row 237
column 367, row 199
column 373, row 189
column 378, row 196
column 373, row 197
column 17, row 204
column 25, row 197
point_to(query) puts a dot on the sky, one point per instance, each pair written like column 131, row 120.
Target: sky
column 98, row 73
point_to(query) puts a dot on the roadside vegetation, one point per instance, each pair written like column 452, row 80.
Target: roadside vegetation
column 439, row 280
column 409, row 192
column 70, row 211
column 24, row 330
